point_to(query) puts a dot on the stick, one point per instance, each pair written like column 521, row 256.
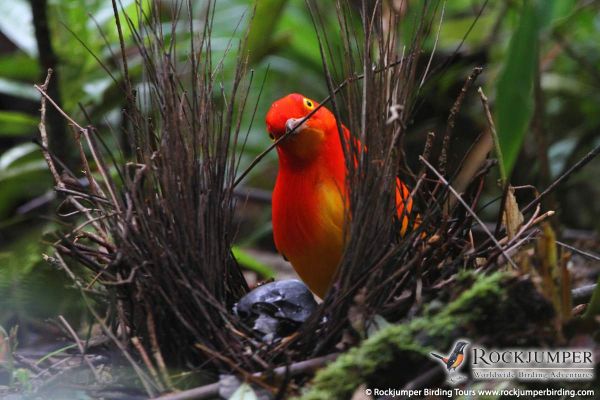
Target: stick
column 579, row 251
column 452, row 117
column 44, row 134
column 212, row 390
column 492, row 126
column 583, row 294
column 576, row 167
column 80, row 347
column 146, row 359
column 469, row 210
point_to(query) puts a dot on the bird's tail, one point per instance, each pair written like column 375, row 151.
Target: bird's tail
column 437, row 356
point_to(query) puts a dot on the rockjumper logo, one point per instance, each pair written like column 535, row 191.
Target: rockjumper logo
column 454, row 361
column 532, row 364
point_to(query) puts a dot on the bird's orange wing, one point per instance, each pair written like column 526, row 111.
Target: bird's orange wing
column 403, row 199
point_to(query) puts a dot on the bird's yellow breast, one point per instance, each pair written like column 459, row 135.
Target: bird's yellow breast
column 310, row 232
column 458, row 361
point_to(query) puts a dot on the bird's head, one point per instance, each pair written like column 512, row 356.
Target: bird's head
column 309, row 137
column 460, row 346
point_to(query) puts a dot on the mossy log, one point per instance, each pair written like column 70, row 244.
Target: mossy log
column 502, row 309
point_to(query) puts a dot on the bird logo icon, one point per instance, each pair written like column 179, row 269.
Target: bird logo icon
column 454, row 360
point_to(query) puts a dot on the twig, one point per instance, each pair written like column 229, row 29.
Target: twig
column 57, row 107
column 435, row 43
column 148, row 384
column 579, row 251
column 524, row 227
column 212, row 390
column 158, row 357
column 49, row 196
column 102, row 169
column 198, row 393
column 54, row 366
column 514, row 245
column 253, row 194
column 452, row 117
column 582, row 294
column 59, row 372
column 27, row 362
column 576, row 167
column 502, row 212
column 58, row 131
column 118, row 282
column 83, row 195
column 86, row 134
column 231, row 364
column 469, row 210
column 60, row 264
column 80, row 347
column 146, row 359
column 126, row 79
column 516, row 241
column 44, row 134
column 94, row 187
column 492, row 126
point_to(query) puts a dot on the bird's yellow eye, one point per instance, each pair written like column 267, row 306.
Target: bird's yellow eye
column 309, row 104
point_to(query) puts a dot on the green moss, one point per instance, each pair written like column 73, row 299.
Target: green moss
column 340, row 378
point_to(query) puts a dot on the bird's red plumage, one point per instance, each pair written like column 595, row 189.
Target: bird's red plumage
column 310, row 195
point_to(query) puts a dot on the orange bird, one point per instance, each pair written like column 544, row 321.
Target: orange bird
column 310, row 195
column 454, row 359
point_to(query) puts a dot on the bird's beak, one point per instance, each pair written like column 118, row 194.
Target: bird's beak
column 292, row 123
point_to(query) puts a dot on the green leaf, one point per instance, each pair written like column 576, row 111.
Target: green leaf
column 249, row 262
column 24, row 175
column 244, row 392
column 55, row 353
column 16, row 23
column 545, row 12
column 561, row 9
column 262, row 27
column 453, row 30
column 21, row 170
column 19, row 66
column 31, row 288
column 593, row 309
column 104, row 13
column 377, row 324
column 16, row 154
column 23, row 377
column 551, row 11
column 514, row 99
column 18, row 89
column 14, row 123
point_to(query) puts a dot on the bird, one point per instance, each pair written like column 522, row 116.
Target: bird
column 310, row 197
column 455, row 359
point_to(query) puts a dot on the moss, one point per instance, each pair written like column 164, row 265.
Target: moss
column 340, row 378
column 414, row 340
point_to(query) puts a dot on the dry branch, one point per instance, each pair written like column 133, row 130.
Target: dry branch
column 295, row 369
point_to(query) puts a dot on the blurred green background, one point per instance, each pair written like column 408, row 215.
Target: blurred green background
column 541, row 65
